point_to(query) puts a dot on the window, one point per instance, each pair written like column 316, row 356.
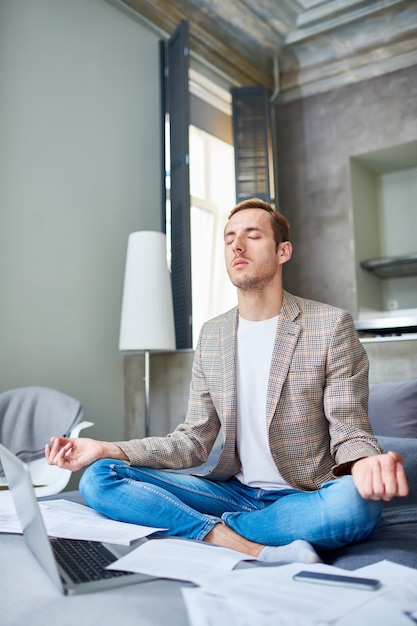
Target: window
column 200, row 188
column 212, row 189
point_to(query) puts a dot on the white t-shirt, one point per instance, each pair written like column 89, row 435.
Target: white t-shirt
column 255, row 343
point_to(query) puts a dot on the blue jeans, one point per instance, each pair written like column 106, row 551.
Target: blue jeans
column 189, row 506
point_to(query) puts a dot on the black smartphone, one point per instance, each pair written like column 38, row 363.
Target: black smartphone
column 338, row 579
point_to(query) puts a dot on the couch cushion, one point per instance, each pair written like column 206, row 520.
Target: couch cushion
column 400, row 510
column 393, row 408
column 395, row 539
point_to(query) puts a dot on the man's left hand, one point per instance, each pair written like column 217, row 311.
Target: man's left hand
column 380, row 477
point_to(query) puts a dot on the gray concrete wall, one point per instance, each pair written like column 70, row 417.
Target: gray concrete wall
column 391, row 359
column 315, row 139
column 170, row 376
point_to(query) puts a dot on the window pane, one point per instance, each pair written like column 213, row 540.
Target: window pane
column 201, row 264
column 197, row 164
column 213, row 195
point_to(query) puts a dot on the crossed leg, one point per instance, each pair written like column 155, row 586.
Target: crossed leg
column 271, row 526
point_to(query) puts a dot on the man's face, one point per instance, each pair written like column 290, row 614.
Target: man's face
column 252, row 260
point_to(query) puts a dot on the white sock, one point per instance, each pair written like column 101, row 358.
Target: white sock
column 298, row 551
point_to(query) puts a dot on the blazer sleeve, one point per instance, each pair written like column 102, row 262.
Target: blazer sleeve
column 190, row 443
column 346, row 397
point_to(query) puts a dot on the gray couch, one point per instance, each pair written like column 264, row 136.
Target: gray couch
column 393, row 415
column 396, row 537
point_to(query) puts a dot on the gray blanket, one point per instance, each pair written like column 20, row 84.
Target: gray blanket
column 29, row 416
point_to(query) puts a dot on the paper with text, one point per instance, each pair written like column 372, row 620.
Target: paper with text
column 180, row 559
column 71, row 520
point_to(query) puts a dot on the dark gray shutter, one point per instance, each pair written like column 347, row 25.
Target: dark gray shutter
column 164, row 110
column 178, row 108
column 251, row 138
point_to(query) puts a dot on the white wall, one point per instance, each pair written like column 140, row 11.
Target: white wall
column 385, row 225
column 398, row 208
column 366, row 234
column 79, row 170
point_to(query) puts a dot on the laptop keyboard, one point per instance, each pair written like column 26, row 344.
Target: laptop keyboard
column 84, row 561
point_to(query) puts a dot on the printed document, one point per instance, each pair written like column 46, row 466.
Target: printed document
column 71, row 520
column 276, row 599
column 180, row 559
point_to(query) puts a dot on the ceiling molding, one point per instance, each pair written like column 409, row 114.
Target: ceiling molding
column 350, row 54
column 207, row 46
column 317, row 44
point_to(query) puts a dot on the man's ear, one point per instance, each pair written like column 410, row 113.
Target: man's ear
column 284, row 251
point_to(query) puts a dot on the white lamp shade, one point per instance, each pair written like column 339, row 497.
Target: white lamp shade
column 147, row 321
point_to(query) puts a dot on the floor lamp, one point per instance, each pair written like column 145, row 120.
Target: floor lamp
column 147, row 320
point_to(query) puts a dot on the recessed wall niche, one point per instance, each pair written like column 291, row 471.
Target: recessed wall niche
column 384, row 203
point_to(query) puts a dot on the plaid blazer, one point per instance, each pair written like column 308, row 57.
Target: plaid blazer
column 316, row 407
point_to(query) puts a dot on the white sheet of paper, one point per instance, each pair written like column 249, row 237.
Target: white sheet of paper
column 388, row 572
column 71, row 520
column 180, row 559
column 206, row 610
column 76, row 521
column 377, row 612
column 272, row 591
column 8, row 518
column 400, row 583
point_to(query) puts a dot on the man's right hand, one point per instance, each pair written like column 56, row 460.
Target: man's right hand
column 74, row 454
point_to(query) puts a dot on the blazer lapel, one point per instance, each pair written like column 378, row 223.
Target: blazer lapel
column 228, row 364
column 286, row 338
column 227, row 464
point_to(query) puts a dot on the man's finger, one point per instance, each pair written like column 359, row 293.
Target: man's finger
column 402, row 482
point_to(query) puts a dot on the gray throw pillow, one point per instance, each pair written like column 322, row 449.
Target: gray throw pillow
column 393, row 408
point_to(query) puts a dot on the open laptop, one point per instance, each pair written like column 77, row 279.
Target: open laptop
column 74, row 565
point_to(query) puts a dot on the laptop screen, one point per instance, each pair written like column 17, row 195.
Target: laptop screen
column 28, row 512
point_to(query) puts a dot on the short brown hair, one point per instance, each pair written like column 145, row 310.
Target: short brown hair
column 280, row 224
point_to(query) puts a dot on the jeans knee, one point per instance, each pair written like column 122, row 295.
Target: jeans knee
column 349, row 517
column 366, row 513
column 92, row 481
column 370, row 511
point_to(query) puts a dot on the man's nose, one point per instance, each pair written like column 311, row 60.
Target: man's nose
column 238, row 245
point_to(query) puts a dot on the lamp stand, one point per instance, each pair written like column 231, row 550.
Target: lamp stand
column 150, row 328
column 147, row 394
